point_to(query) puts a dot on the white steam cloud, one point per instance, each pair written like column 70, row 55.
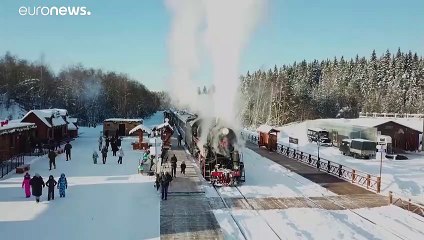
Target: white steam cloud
column 225, row 26
column 183, row 48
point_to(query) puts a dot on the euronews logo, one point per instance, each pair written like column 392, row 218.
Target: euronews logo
column 54, row 11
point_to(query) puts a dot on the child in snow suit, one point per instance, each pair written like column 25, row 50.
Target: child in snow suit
column 120, row 155
column 62, row 184
column 25, row 184
column 37, row 184
column 51, row 183
column 183, row 167
column 95, row 156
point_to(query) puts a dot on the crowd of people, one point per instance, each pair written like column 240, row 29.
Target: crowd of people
column 116, row 148
column 36, row 185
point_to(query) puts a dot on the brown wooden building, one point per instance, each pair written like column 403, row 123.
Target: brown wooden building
column 51, row 124
column 114, row 127
column 268, row 137
column 16, row 138
column 403, row 138
column 72, row 127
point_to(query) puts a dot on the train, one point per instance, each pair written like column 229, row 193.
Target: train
column 216, row 149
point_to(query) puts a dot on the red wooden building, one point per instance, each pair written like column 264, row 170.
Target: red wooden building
column 166, row 132
column 16, row 138
column 51, row 124
column 72, row 127
column 268, row 137
column 403, row 138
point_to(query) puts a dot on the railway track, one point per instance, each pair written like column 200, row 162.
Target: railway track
column 343, row 208
column 251, row 208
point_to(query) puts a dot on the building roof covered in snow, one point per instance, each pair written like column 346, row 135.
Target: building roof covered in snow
column 124, row 120
column 12, row 127
column 369, row 122
column 266, row 129
column 71, row 126
column 48, row 117
column 142, row 128
column 72, row 120
column 163, row 125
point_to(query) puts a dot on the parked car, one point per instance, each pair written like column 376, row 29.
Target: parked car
column 397, row 157
column 358, row 148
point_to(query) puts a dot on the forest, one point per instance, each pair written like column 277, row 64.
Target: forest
column 391, row 83
column 88, row 94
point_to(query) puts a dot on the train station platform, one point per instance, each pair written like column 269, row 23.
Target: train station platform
column 187, row 213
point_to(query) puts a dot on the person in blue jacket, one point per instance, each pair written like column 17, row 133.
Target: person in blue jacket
column 62, row 184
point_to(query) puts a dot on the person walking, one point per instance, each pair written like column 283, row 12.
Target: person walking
column 120, row 155
column 95, row 156
column 52, row 159
column 104, row 154
column 68, row 148
column 37, row 184
column 100, row 143
column 26, row 185
column 157, row 181
column 174, row 166
column 165, row 180
column 107, row 143
column 113, row 147
column 183, row 167
column 179, row 139
column 51, row 183
column 62, row 184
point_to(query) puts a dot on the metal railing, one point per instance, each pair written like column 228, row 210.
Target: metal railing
column 406, row 204
column 11, row 164
column 360, row 178
column 390, row 115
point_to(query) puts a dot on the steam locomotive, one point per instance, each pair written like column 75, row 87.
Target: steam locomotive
column 214, row 146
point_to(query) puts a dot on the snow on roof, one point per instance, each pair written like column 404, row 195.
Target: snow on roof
column 72, row 120
column 163, row 125
column 317, row 129
column 141, row 127
column 58, row 121
column 44, row 114
column 361, row 140
column 41, row 115
column 123, row 120
column 72, row 126
column 369, row 122
column 265, row 129
column 12, row 127
column 62, row 112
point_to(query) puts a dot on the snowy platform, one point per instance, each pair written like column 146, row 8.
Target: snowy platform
column 187, row 214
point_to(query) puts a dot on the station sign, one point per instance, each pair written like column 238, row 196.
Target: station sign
column 293, row 140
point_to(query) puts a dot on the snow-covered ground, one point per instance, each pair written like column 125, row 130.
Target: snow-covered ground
column 403, row 177
column 268, row 179
column 264, row 178
column 306, row 223
column 108, row 201
column 14, row 111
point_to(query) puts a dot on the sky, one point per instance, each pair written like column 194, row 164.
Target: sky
column 131, row 36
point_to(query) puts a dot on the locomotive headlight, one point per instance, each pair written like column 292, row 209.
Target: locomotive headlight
column 225, row 131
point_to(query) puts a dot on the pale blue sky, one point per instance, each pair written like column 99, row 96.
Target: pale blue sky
column 130, row 36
